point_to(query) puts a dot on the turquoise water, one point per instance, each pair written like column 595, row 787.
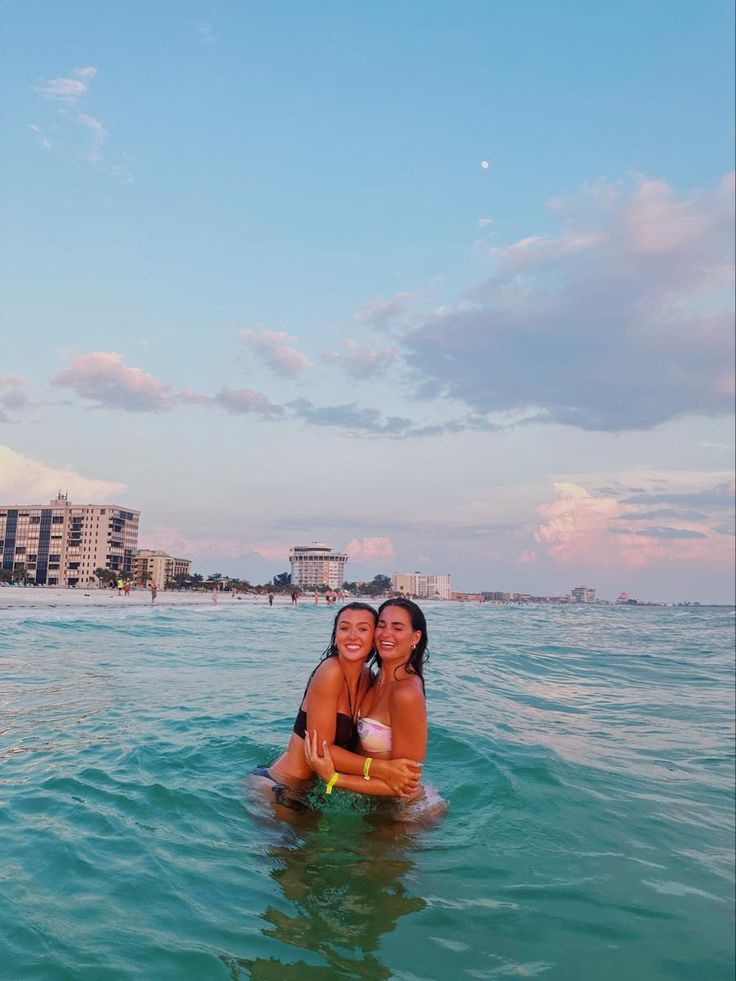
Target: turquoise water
column 586, row 753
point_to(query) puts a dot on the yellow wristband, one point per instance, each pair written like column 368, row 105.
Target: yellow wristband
column 331, row 782
column 367, row 768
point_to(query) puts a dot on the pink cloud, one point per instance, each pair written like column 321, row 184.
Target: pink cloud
column 247, row 400
column 182, row 545
column 273, row 349
column 195, row 546
column 104, row 378
column 599, row 531
column 379, row 312
column 12, row 381
column 360, row 361
column 576, row 527
column 370, row 548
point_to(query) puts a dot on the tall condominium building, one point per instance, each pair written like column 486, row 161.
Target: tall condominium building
column 423, row 587
column 583, row 594
column 150, row 566
column 64, row 543
column 317, row 565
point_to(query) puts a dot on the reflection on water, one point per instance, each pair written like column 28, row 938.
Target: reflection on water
column 344, row 886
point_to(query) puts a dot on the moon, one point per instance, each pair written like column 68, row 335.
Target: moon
column 485, row 164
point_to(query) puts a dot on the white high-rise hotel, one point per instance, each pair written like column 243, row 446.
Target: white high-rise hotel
column 63, row 544
column 317, row 565
column 423, row 587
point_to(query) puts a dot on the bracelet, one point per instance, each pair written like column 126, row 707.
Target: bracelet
column 331, row 782
column 367, row 768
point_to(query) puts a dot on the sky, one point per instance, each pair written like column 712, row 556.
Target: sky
column 447, row 286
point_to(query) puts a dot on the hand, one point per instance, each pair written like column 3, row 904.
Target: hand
column 322, row 765
column 401, row 775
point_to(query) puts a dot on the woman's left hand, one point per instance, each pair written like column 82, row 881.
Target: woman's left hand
column 322, row 765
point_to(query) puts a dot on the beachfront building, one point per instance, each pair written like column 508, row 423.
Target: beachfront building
column 151, row 566
column 317, row 565
column 423, row 587
column 63, row 544
column 583, row 594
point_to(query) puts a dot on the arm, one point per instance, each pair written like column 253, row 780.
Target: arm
column 321, row 700
column 401, row 775
column 324, row 767
column 408, row 709
column 409, row 730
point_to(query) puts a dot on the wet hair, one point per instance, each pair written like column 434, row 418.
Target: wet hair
column 419, row 655
column 331, row 650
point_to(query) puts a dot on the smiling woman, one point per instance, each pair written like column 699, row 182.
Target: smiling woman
column 393, row 713
column 330, row 711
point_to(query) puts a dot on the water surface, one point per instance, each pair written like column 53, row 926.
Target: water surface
column 587, row 755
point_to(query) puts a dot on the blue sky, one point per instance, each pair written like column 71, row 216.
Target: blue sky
column 259, row 286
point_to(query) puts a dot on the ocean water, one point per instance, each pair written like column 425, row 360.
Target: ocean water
column 587, row 755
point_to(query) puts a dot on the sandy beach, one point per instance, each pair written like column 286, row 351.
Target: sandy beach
column 41, row 597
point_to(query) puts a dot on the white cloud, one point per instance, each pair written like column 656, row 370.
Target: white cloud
column 98, row 136
column 621, row 321
column 68, row 90
column 25, row 480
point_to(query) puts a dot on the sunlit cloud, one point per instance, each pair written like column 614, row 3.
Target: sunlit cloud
column 367, row 549
column 68, row 89
column 380, row 313
column 621, row 321
column 360, row 361
column 98, row 136
column 242, row 401
column 25, row 480
column 103, row 378
column 593, row 530
column 273, row 349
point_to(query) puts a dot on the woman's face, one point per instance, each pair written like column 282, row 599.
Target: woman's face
column 395, row 635
column 354, row 634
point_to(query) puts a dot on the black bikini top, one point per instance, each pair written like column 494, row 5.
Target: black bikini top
column 346, row 733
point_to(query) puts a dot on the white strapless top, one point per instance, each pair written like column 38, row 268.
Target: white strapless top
column 375, row 737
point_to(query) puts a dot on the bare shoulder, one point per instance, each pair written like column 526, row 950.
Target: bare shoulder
column 408, row 695
column 328, row 674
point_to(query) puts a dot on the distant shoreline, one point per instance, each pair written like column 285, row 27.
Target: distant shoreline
column 35, row 597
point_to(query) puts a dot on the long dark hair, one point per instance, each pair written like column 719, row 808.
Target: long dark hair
column 331, row 649
column 419, row 655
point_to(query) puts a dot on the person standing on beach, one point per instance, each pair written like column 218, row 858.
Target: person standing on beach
column 270, row 598
column 121, row 585
column 294, row 597
column 154, row 590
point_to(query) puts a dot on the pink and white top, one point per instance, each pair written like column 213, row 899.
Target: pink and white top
column 375, row 737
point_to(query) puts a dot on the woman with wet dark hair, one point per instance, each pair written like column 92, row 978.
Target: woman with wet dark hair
column 393, row 714
column 330, row 708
